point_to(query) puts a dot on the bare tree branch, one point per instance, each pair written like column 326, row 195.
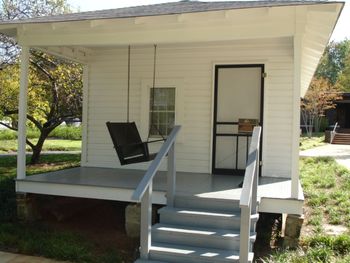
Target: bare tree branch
column 8, row 126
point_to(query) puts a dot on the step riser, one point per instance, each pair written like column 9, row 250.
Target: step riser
column 200, row 221
column 207, row 204
column 203, row 221
column 196, row 240
column 176, row 258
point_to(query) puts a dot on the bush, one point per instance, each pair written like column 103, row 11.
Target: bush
column 12, row 135
column 61, row 132
column 66, row 132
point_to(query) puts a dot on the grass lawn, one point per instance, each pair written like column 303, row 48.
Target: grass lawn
column 49, row 145
column 38, row 238
column 306, row 143
column 325, row 234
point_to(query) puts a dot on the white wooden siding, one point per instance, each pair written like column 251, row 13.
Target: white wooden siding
column 194, row 65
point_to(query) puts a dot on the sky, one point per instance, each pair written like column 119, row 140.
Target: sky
column 342, row 29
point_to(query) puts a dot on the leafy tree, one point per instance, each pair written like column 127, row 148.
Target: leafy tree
column 55, row 85
column 320, row 97
column 21, row 9
column 343, row 82
column 333, row 61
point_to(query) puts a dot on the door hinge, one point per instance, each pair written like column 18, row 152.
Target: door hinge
column 264, row 75
column 261, row 163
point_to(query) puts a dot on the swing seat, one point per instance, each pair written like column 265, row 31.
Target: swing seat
column 128, row 144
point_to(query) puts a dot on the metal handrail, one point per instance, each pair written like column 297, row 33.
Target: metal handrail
column 333, row 132
column 250, row 168
column 153, row 168
column 335, row 127
column 248, row 199
column 143, row 191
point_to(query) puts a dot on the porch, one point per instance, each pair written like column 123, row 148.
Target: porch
column 119, row 185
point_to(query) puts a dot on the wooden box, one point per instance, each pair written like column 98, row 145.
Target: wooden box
column 247, row 125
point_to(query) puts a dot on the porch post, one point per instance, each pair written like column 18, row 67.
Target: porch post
column 22, row 114
column 171, row 176
column 298, row 45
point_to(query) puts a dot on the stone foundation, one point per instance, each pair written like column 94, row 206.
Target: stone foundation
column 26, row 207
column 293, row 224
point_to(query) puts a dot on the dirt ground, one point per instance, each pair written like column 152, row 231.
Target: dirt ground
column 99, row 221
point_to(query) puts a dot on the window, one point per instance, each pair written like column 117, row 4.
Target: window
column 162, row 111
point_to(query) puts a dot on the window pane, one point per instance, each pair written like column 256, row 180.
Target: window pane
column 162, row 110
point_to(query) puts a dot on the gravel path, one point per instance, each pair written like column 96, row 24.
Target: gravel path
column 17, row 258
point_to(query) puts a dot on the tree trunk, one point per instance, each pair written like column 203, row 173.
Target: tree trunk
column 38, row 147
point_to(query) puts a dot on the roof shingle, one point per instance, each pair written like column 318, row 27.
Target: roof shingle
column 162, row 9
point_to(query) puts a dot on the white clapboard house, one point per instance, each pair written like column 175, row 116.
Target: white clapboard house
column 201, row 74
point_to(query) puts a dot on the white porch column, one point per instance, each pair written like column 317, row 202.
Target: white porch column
column 22, row 114
column 300, row 22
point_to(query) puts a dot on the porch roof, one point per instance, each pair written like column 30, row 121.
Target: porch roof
column 181, row 7
column 76, row 36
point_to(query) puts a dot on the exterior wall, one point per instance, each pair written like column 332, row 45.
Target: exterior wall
column 191, row 69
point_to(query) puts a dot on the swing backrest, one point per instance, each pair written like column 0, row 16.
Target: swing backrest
column 126, row 139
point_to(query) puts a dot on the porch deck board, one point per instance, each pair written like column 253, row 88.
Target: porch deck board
column 201, row 184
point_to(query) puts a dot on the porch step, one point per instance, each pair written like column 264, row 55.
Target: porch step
column 341, row 138
column 176, row 253
column 202, row 218
column 200, row 237
column 207, row 203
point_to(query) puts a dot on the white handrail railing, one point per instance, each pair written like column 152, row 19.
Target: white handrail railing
column 248, row 200
column 143, row 191
column 333, row 132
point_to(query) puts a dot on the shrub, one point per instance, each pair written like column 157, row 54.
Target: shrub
column 61, row 132
column 66, row 132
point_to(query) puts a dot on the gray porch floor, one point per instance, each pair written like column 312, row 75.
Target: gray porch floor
column 204, row 185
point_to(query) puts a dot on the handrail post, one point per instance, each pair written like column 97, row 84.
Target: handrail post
column 333, row 132
column 255, row 184
column 171, row 176
column 245, row 234
column 146, row 222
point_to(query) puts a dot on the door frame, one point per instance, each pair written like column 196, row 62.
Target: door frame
column 215, row 122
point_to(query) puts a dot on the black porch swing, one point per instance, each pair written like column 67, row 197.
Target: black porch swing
column 125, row 135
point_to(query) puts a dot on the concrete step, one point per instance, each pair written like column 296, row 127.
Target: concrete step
column 176, row 253
column 207, row 203
column 196, row 236
column 201, row 218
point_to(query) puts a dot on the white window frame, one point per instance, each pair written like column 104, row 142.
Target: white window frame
column 145, row 102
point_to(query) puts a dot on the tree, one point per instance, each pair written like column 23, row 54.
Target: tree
column 320, row 97
column 21, row 9
column 343, row 82
column 55, row 85
column 333, row 61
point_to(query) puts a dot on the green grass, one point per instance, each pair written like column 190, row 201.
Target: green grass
column 35, row 239
column 47, row 163
column 61, row 132
column 327, row 199
column 327, row 190
column 307, row 143
column 318, row 249
column 38, row 239
column 49, row 145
